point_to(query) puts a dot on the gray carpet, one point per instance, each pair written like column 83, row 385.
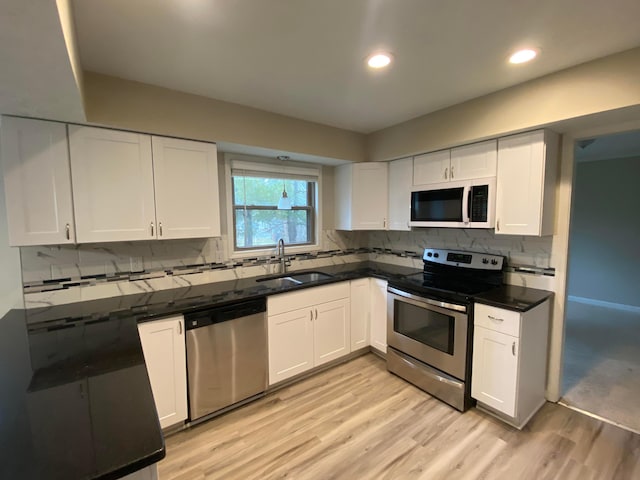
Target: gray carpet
column 602, row 363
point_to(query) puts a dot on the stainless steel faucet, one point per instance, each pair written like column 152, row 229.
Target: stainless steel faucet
column 283, row 260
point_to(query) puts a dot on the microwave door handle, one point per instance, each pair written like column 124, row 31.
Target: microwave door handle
column 466, row 204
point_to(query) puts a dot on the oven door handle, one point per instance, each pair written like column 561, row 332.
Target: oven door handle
column 421, row 301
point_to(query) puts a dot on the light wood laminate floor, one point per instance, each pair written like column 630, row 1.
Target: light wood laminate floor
column 357, row 421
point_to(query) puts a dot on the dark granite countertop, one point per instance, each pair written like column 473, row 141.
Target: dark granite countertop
column 150, row 305
column 513, row 297
column 75, row 402
column 75, row 397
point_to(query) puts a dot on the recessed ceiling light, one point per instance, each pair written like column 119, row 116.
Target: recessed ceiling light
column 522, row 56
column 379, row 60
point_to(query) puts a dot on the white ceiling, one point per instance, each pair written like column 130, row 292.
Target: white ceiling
column 305, row 58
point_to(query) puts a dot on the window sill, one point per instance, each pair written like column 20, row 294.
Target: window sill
column 269, row 252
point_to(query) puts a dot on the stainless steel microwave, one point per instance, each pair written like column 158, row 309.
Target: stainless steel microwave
column 460, row 204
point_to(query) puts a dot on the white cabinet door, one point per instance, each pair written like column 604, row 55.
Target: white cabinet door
column 477, row 160
column 165, row 355
column 186, row 188
column 331, row 331
column 431, row 167
column 525, row 190
column 361, row 196
column 113, row 193
column 290, row 344
column 35, row 158
column 400, row 182
column 495, row 369
column 369, row 201
column 378, row 315
column 360, row 300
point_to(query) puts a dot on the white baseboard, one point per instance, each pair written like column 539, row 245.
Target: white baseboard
column 602, row 303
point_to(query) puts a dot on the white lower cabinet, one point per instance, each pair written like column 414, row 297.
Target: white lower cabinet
column 378, row 317
column 165, row 356
column 331, row 331
column 307, row 328
column 510, row 361
column 290, row 344
column 360, row 307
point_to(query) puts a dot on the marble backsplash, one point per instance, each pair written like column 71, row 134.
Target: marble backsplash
column 520, row 251
column 60, row 274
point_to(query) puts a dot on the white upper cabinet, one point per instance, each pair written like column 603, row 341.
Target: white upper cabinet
column 131, row 186
column 526, row 183
column 477, row 160
column 113, row 193
column 467, row 162
column 361, row 196
column 186, row 188
column 35, row 159
column 431, row 167
column 400, row 181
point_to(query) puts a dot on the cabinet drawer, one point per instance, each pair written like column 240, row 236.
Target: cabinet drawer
column 497, row 319
column 307, row 297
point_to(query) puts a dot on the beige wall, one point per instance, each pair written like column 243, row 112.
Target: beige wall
column 136, row 106
column 605, row 84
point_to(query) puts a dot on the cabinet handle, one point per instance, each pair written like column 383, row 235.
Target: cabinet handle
column 513, row 348
column 179, row 328
column 316, row 313
column 152, row 229
column 451, row 171
column 498, row 225
column 160, row 228
column 495, row 318
column 446, row 170
column 68, row 231
column 311, row 315
column 384, row 223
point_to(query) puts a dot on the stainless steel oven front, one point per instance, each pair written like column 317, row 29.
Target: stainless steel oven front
column 428, row 342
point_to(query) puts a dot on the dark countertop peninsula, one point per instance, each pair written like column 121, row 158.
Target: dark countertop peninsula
column 75, row 397
column 512, row 297
column 75, row 401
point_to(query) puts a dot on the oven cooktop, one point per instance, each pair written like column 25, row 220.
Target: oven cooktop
column 453, row 275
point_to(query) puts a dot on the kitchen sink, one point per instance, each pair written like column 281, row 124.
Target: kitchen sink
column 278, row 282
column 307, row 277
column 293, row 279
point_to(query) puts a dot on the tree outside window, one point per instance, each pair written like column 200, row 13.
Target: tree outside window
column 257, row 221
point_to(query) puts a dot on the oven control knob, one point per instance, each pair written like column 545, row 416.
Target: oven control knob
column 485, row 261
column 429, row 254
column 436, row 255
column 494, row 262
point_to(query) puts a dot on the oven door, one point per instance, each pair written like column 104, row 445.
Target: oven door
column 428, row 330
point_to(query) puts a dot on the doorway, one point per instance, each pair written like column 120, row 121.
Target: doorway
column 601, row 366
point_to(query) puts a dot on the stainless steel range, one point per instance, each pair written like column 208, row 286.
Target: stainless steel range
column 430, row 324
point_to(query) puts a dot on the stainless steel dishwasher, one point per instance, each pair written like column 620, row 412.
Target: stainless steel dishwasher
column 226, row 356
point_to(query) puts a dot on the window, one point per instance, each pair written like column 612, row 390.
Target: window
column 257, row 221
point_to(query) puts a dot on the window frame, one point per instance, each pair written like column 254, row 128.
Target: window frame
column 270, row 166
